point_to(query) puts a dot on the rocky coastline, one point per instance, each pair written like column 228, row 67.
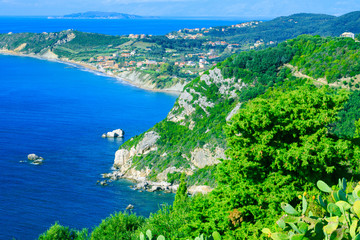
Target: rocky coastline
column 124, row 170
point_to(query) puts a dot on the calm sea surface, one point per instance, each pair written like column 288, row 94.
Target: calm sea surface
column 105, row 26
column 59, row 112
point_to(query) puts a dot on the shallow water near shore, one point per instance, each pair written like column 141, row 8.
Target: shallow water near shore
column 59, row 112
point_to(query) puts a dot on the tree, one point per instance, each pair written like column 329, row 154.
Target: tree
column 278, row 145
column 288, row 132
column 181, row 194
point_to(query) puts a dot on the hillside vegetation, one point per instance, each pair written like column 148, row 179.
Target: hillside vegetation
column 196, row 123
column 285, row 134
column 175, row 59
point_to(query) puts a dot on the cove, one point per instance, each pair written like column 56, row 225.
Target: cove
column 59, row 112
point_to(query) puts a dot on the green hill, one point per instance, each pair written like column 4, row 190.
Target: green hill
column 171, row 61
column 280, row 132
column 192, row 136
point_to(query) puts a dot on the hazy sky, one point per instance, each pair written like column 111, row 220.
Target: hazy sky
column 185, row 8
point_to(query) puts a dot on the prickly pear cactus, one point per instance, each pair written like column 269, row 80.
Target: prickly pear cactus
column 341, row 220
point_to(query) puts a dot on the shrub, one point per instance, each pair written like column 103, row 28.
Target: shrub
column 58, row 232
column 118, row 226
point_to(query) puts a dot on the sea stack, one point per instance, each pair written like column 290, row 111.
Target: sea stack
column 114, row 134
column 35, row 159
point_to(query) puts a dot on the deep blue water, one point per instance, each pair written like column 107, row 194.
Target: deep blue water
column 106, row 26
column 59, row 112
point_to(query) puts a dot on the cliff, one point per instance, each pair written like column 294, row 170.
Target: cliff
column 192, row 137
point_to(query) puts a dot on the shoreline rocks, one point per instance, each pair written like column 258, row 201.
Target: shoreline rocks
column 114, row 134
column 35, row 159
column 142, row 184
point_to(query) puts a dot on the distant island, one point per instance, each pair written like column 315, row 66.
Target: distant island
column 101, row 15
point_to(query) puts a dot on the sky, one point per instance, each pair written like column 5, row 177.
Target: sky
column 180, row 8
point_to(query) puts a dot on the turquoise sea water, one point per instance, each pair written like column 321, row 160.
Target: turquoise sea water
column 59, row 112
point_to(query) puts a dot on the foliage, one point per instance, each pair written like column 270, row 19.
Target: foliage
column 259, row 70
column 58, row 232
column 287, row 133
column 181, row 195
column 287, row 27
column 332, row 58
column 166, row 222
column 117, row 226
column 342, row 206
column 278, row 144
column 345, row 126
column 214, row 236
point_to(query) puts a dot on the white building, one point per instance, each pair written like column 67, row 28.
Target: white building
column 348, row 34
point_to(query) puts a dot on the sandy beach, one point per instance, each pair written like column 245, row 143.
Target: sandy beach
column 87, row 66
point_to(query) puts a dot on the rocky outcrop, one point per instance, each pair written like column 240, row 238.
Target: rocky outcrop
column 190, row 99
column 161, row 177
column 147, row 144
column 146, row 81
column 114, row 134
column 123, row 157
column 199, row 189
column 233, row 112
column 202, row 157
column 35, row 159
column 156, row 186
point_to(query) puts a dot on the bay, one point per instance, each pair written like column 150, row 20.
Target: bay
column 59, row 113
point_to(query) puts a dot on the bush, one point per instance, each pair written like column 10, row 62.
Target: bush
column 58, row 232
column 117, row 226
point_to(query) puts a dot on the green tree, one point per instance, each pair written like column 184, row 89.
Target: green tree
column 181, row 194
column 279, row 145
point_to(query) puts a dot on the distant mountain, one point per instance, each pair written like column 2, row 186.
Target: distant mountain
column 287, row 27
column 102, row 15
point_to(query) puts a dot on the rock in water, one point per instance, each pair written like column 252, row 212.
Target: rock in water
column 129, row 207
column 35, row 159
column 114, row 134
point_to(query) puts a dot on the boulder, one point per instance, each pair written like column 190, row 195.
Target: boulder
column 35, row 159
column 104, row 183
column 154, row 189
column 114, row 134
column 129, row 207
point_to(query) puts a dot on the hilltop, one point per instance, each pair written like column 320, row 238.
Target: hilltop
column 170, row 62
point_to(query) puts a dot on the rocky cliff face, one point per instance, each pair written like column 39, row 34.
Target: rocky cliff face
column 162, row 152
column 145, row 80
column 123, row 157
column 202, row 157
column 194, row 97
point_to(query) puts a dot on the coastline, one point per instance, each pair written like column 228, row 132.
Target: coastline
column 87, row 66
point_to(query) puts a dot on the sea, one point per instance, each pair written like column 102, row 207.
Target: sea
column 59, row 112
